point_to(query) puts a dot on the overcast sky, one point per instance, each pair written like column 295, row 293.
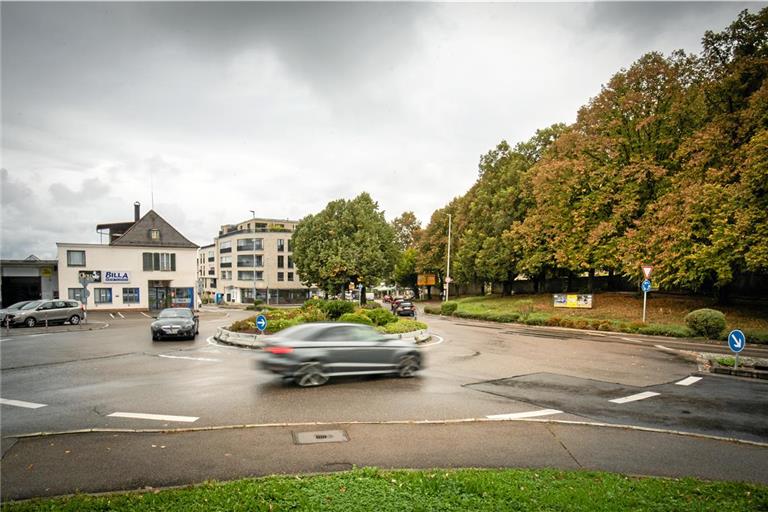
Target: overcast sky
column 281, row 108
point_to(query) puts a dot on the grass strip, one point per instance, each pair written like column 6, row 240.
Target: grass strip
column 465, row 489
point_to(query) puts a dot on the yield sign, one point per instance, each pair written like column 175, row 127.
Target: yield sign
column 647, row 271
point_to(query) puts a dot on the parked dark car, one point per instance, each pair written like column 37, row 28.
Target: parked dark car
column 406, row 309
column 309, row 354
column 12, row 309
column 42, row 312
column 175, row 323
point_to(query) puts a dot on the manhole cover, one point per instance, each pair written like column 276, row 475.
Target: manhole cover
column 323, row 436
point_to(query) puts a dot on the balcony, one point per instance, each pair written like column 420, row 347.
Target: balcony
column 226, row 265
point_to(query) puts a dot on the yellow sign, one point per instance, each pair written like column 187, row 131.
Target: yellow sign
column 46, row 272
column 426, row 280
column 572, row 300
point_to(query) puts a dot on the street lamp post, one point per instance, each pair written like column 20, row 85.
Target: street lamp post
column 448, row 270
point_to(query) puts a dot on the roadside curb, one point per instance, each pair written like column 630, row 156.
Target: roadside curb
column 256, row 342
column 754, row 374
column 78, row 328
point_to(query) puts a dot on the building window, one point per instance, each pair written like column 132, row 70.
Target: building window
column 75, row 258
column 75, row 294
column 226, row 262
column 226, row 275
column 290, row 276
column 280, row 245
column 130, row 295
column 225, row 246
column 246, row 244
column 258, row 244
column 280, row 261
column 290, row 245
column 245, row 275
column 290, row 261
column 259, row 275
column 154, row 234
column 159, row 261
column 280, row 276
column 102, row 295
column 245, row 261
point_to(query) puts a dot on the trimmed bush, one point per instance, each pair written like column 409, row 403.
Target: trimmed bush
column 432, row 310
column 448, row 308
column 243, row 325
column 536, row 319
column 333, row 309
column 677, row 331
column 379, row 316
column 757, row 337
column 312, row 313
column 355, row 318
column 402, row 326
column 709, row 323
column 371, row 305
column 278, row 325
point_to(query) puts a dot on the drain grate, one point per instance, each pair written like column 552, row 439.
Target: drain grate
column 323, row 436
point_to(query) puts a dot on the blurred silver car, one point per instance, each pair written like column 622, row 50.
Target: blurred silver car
column 310, row 354
column 12, row 309
column 54, row 311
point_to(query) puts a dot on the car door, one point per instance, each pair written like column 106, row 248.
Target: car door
column 43, row 312
column 365, row 351
column 58, row 313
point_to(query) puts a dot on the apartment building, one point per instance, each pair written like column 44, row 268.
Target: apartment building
column 206, row 272
column 253, row 259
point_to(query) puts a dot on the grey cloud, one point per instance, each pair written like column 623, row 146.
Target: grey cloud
column 91, row 189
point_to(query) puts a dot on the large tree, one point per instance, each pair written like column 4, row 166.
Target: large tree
column 347, row 242
column 407, row 229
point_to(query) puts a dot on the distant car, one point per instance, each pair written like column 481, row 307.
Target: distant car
column 175, row 323
column 406, row 309
column 12, row 309
column 395, row 302
column 310, row 354
column 53, row 311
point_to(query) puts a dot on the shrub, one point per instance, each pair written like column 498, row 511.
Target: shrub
column 554, row 320
column 432, row 310
column 503, row 317
column 278, row 325
column 402, row 326
column 314, row 302
column 709, row 323
column 379, row 316
column 536, row 319
column 312, row 313
column 371, row 305
column 448, row 308
column 757, row 337
column 336, row 308
column 243, row 325
column 355, row 318
column 678, row 331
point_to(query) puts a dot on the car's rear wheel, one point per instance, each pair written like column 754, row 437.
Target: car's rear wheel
column 311, row 374
column 74, row 319
column 408, row 365
column 30, row 322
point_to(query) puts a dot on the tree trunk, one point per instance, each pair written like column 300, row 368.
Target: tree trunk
column 362, row 295
column 506, row 288
column 429, row 292
column 591, row 282
column 415, row 289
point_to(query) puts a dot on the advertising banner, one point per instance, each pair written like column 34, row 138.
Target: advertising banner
column 426, row 280
column 112, row 276
column 572, row 300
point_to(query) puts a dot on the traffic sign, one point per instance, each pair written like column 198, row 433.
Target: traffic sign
column 647, row 269
column 736, row 341
column 86, row 292
column 448, row 280
column 261, row 322
column 646, row 286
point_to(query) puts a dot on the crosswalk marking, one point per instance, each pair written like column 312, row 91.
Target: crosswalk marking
column 688, row 381
column 528, row 414
column 158, row 417
column 634, row 398
column 21, row 403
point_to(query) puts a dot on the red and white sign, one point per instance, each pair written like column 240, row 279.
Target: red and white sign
column 647, row 271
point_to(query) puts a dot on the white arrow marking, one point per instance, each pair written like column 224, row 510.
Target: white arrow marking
column 159, row 417
column 21, row 403
column 191, row 358
column 736, row 341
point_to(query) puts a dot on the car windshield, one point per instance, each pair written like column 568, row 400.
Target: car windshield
column 32, row 305
column 175, row 313
column 18, row 305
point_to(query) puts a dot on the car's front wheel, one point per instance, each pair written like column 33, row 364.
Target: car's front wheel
column 74, row 319
column 408, row 365
column 311, row 374
column 30, row 322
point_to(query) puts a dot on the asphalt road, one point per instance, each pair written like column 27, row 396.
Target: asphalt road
column 75, row 380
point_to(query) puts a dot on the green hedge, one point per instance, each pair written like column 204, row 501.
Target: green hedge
column 355, row 318
column 709, row 323
column 333, row 309
column 402, row 326
column 448, row 308
column 432, row 310
column 379, row 316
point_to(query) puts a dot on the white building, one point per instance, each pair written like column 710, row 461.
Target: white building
column 252, row 259
column 146, row 265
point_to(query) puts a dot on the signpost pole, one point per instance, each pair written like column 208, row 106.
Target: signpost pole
column 645, row 296
column 448, row 270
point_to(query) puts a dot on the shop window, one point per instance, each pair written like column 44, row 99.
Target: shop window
column 130, row 295
column 102, row 295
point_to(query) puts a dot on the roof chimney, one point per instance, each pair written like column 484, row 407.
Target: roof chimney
column 136, row 210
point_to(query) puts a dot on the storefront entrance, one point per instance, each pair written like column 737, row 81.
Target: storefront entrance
column 159, row 295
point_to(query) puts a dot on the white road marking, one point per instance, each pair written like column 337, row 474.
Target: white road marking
column 146, row 315
column 21, row 403
column 111, row 315
column 688, row 381
column 529, row 414
column 634, row 398
column 630, row 339
column 120, row 314
column 158, row 417
column 191, row 358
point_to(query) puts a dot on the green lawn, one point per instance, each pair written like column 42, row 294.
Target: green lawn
column 460, row 490
column 616, row 312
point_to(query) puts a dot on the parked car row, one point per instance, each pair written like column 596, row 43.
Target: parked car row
column 39, row 312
